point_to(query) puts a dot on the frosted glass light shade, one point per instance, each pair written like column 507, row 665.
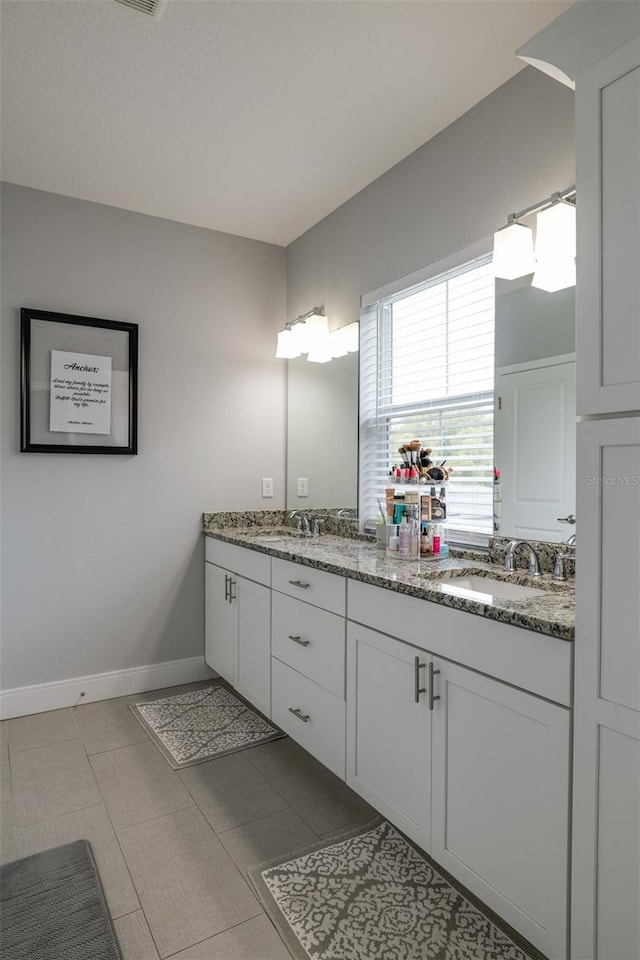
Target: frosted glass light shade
column 556, row 232
column 287, row 347
column 554, row 275
column 352, row 336
column 556, row 248
column 513, row 252
column 338, row 343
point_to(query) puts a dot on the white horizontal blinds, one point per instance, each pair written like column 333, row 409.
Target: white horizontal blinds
column 427, row 372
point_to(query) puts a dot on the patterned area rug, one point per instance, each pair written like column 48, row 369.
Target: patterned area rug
column 202, row 724
column 373, row 895
column 53, row 907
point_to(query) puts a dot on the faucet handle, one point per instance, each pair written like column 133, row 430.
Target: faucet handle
column 315, row 532
column 558, row 568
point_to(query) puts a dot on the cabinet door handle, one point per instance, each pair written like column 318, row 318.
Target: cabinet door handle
column 232, row 584
column 432, row 673
column 297, row 639
column 226, row 586
column 297, row 712
column 417, row 689
column 300, row 583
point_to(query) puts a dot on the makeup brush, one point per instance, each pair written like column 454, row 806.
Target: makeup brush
column 382, row 513
column 403, row 453
column 414, row 448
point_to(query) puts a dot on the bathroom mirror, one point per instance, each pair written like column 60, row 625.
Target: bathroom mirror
column 322, row 434
column 535, row 411
column 534, row 427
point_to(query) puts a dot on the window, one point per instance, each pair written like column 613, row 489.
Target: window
column 427, row 372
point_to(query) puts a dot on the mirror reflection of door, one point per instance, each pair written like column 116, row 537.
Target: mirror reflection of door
column 535, row 448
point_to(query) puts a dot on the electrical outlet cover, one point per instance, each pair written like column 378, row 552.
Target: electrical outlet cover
column 303, row 486
column 267, row 486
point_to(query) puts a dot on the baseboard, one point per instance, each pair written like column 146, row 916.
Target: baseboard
column 22, row 701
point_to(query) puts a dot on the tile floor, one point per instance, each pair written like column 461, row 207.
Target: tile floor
column 172, row 847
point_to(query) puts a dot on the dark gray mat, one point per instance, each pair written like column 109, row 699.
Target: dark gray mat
column 53, row 908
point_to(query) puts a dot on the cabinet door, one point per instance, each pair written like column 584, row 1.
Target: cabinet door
column 606, row 798
column 253, row 674
column 500, row 800
column 220, row 623
column 608, row 213
column 388, row 732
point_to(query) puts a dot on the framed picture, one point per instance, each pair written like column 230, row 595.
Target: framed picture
column 79, row 384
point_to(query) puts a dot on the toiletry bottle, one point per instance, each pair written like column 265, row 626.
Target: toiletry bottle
column 404, row 540
column 436, row 539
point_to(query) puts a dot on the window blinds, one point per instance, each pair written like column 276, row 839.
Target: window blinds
column 427, row 372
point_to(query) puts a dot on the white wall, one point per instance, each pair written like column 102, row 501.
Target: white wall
column 102, row 555
column 511, row 150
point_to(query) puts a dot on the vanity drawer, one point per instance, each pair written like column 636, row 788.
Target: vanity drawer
column 324, row 590
column 247, row 563
column 322, row 733
column 310, row 640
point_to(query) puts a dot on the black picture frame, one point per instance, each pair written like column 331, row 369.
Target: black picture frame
column 41, row 332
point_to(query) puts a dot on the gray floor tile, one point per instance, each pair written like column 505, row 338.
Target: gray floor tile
column 135, row 938
column 279, row 834
column 253, row 940
column 188, row 886
column 322, row 800
column 42, row 729
column 264, row 749
column 137, row 784
column 107, row 725
column 7, row 833
column 5, row 774
column 230, row 791
column 91, row 824
column 50, row 781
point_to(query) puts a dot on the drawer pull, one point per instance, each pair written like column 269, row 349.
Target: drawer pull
column 297, row 712
column 303, row 643
column 300, row 583
column 417, row 689
column 226, row 586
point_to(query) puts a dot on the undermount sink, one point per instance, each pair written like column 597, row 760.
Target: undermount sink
column 479, row 587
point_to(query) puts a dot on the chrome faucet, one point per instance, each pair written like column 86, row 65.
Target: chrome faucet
column 302, row 525
column 509, row 557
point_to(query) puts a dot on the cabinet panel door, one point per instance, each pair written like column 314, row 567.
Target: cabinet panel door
column 220, row 623
column 253, row 677
column 388, row 733
column 608, row 212
column 618, row 883
column 500, row 800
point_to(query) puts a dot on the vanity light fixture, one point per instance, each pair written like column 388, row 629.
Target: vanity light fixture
column 555, row 247
column 513, row 251
column 553, row 260
column 309, row 333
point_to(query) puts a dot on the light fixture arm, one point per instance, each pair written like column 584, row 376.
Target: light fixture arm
column 315, row 312
column 569, row 194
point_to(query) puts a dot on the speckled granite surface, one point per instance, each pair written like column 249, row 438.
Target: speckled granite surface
column 547, row 553
column 552, row 612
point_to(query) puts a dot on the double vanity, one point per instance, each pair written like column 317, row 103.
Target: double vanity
column 440, row 691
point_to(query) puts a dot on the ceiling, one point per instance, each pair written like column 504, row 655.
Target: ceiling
column 255, row 118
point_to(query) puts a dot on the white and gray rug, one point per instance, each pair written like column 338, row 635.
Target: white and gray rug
column 202, row 724
column 373, row 895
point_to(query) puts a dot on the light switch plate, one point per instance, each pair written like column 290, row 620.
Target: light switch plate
column 267, row 486
column 303, row 486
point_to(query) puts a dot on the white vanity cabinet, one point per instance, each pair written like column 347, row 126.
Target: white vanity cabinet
column 500, row 800
column 389, row 729
column 308, row 659
column 476, row 770
column 237, row 619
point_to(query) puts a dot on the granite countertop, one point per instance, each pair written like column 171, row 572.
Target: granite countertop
column 552, row 613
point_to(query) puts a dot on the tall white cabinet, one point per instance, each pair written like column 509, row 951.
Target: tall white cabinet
column 598, row 46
